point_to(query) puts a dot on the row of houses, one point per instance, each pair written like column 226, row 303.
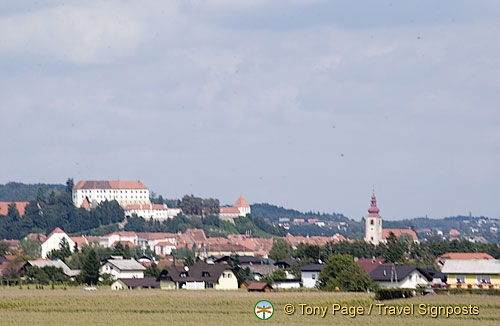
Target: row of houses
column 162, row 243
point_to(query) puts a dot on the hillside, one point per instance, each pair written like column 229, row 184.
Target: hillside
column 16, row 191
column 274, row 213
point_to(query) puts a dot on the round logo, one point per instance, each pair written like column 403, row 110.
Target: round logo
column 264, row 309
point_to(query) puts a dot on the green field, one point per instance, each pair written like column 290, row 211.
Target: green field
column 156, row 307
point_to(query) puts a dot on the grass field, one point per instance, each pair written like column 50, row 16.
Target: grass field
column 156, row 307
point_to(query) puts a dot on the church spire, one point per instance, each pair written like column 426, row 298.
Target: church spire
column 373, row 210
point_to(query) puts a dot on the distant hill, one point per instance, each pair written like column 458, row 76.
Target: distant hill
column 274, row 213
column 16, row 191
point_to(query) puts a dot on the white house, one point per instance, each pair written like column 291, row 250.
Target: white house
column 400, row 276
column 124, row 192
column 54, row 240
column 310, row 275
column 152, row 211
column 123, row 236
column 164, row 248
column 286, row 284
column 123, row 268
column 199, row 277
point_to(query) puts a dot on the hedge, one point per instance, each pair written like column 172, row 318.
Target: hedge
column 396, row 293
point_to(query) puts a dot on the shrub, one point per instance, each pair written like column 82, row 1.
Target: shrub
column 387, row 294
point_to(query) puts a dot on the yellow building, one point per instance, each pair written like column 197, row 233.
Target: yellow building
column 472, row 273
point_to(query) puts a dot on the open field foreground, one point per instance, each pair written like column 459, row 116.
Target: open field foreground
column 156, row 307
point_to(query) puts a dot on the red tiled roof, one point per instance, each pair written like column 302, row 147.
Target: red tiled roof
column 368, row 264
column 466, row 255
column 79, row 240
column 40, row 236
column 241, row 202
column 398, row 233
column 85, row 204
column 56, row 230
column 156, row 235
column 123, row 234
column 454, row 232
column 229, row 210
column 111, row 184
column 226, row 247
column 20, row 205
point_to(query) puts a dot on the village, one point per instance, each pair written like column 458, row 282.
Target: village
column 192, row 261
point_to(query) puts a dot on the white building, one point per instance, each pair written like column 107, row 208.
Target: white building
column 119, row 236
column 123, row 268
column 152, row 211
column 54, row 240
column 400, row 276
column 310, row 275
column 91, row 193
column 164, row 248
column 240, row 208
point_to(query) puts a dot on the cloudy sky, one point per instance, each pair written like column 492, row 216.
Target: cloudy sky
column 305, row 104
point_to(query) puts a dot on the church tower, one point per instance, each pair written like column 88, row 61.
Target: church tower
column 373, row 227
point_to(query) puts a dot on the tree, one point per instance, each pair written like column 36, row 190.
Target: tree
column 394, row 250
column 69, row 185
column 31, row 247
column 277, row 274
column 90, row 270
column 4, row 248
column 281, row 250
column 342, row 272
column 152, row 271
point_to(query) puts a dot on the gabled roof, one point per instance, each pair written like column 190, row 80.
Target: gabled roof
column 466, row 255
column 20, row 205
column 312, row 268
column 56, row 230
column 197, row 273
column 126, row 264
column 241, row 202
column 79, row 240
column 56, row 263
column 252, row 285
column 369, row 264
column 85, row 204
column 472, row 266
column 111, row 184
column 388, row 272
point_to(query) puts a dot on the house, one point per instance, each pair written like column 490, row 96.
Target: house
column 72, row 273
column 258, row 266
column 438, row 278
column 462, row 256
column 478, row 273
column 135, row 283
column 399, row 276
column 164, row 248
column 283, row 264
column 310, row 275
column 112, row 239
column 54, row 240
column 287, row 284
column 123, row 268
column 253, row 286
column 124, row 192
column 240, row 208
column 200, row 276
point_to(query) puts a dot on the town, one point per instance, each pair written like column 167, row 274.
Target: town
column 246, row 257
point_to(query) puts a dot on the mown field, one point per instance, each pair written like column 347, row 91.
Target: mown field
column 156, row 307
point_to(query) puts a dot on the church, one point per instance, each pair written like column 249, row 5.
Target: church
column 374, row 232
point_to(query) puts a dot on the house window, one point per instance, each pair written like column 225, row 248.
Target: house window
column 460, row 278
column 313, row 276
column 205, row 274
column 483, row 279
column 229, row 275
column 371, row 222
column 210, row 285
column 183, row 274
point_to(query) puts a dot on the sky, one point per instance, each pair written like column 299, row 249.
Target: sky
column 304, row 104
